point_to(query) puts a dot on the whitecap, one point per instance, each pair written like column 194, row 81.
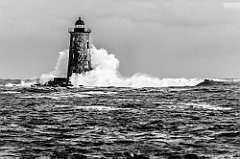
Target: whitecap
column 204, row 106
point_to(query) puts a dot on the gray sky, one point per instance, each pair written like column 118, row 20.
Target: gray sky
column 163, row 38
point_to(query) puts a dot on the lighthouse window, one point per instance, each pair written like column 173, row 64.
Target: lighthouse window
column 79, row 26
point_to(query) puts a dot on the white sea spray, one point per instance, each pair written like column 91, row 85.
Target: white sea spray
column 105, row 73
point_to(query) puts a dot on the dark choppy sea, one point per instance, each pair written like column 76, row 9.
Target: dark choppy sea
column 117, row 122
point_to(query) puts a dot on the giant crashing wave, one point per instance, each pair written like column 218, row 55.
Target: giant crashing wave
column 105, row 73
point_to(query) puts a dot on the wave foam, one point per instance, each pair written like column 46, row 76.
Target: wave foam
column 60, row 68
column 105, row 73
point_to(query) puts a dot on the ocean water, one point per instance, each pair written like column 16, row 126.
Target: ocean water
column 119, row 122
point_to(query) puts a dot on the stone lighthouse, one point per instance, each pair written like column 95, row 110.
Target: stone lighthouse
column 79, row 60
column 79, row 50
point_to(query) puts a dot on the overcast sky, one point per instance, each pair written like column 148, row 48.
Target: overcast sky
column 163, row 38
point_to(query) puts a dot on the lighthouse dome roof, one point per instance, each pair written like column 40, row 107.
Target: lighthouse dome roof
column 79, row 22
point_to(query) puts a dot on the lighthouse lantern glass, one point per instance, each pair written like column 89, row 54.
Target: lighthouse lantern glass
column 79, row 26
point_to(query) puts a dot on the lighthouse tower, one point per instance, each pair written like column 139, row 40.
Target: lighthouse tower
column 79, row 50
